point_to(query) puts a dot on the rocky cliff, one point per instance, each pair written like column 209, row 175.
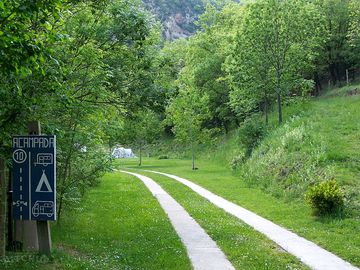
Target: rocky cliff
column 177, row 16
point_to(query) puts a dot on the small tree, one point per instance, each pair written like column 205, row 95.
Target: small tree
column 187, row 112
column 149, row 128
column 142, row 129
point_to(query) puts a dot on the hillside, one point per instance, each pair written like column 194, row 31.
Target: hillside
column 178, row 17
column 320, row 140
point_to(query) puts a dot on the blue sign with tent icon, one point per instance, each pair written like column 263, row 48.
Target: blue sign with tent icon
column 34, row 177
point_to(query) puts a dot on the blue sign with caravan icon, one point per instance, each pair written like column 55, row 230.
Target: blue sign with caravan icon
column 34, row 177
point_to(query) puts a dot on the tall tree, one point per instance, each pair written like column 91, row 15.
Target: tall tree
column 285, row 36
column 333, row 59
column 206, row 52
column 353, row 35
column 27, row 33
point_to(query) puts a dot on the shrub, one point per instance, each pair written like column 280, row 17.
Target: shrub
column 325, row 198
column 163, row 157
column 237, row 161
column 251, row 133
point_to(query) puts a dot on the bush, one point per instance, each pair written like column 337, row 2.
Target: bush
column 237, row 161
column 163, row 157
column 325, row 198
column 251, row 133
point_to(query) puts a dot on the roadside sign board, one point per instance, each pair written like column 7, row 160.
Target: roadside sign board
column 34, row 177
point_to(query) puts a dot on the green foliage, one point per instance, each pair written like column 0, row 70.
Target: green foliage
column 91, row 64
column 26, row 31
column 142, row 129
column 353, row 35
column 187, row 112
column 163, row 157
column 237, row 161
column 276, row 43
column 325, row 198
column 287, row 160
column 251, row 132
column 318, row 142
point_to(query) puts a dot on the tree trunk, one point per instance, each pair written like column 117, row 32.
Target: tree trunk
column 193, row 157
column 333, row 74
column 140, row 156
column 318, row 87
column 279, row 107
column 2, row 208
column 60, row 207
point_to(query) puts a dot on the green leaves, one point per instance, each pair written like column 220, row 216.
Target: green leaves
column 276, row 43
column 188, row 112
column 326, row 198
column 26, row 27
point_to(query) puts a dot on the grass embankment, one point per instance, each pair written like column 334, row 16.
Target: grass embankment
column 319, row 141
column 119, row 225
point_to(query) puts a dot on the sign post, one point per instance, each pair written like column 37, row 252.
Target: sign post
column 34, row 183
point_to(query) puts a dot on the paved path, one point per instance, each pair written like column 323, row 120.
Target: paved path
column 309, row 253
column 203, row 252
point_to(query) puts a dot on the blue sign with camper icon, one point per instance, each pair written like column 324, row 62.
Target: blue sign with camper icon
column 34, row 177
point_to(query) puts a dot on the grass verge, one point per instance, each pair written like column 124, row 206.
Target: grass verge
column 119, row 225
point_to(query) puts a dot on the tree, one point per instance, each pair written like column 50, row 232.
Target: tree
column 27, row 33
column 98, row 70
column 187, row 112
column 353, row 35
column 285, row 36
column 140, row 130
column 333, row 60
column 204, row 56
column 250, row 80
column 104, row 60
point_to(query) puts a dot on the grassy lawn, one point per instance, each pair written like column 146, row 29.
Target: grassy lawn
column 340, row 236
column 244, row 247
column 120, row 225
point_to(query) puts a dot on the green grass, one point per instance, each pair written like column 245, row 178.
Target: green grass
column 338, row 235
column 244, row 247
column 119, row 225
